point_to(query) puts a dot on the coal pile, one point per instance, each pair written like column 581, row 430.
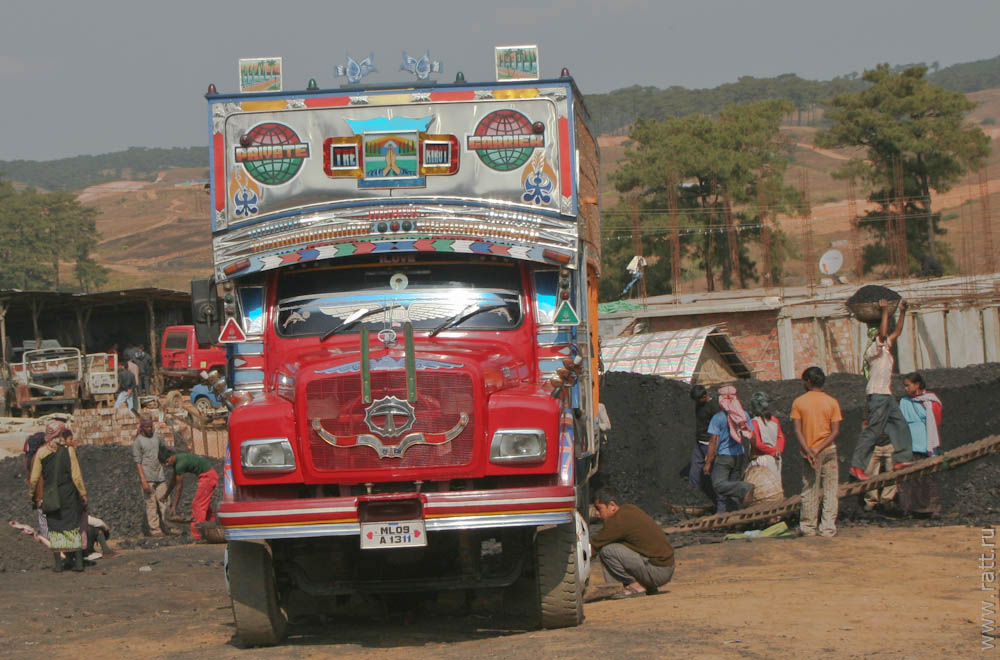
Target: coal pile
column 114, row 493
column 650, row 442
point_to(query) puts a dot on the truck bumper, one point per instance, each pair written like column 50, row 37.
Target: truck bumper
column 338, row 516
column 181, row 374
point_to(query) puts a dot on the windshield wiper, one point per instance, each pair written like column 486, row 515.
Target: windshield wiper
column 465, row 315
column 354, row 318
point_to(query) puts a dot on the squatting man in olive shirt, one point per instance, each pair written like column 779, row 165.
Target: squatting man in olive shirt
column 633, row 549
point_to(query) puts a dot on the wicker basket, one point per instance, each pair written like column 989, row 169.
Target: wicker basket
column 211, row 532
column 870, row 312
column 767, row 487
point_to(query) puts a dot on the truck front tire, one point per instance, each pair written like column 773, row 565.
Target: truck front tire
column 254, row 593
column 557, row 573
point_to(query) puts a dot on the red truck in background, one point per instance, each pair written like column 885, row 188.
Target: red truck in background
column 182, row 358
column 408, row 280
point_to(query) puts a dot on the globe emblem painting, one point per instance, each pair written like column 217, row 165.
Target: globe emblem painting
column 271, row 153
column 505, row 139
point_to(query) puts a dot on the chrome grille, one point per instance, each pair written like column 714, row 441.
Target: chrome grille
column 441, row 398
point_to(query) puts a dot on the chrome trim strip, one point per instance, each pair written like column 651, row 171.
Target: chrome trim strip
column 552, row 501
column 392, row 451
column 555, row 501
column 433, row 216
column 513, row 520
column 432, row 524
column 293, row 531
column 287, row 512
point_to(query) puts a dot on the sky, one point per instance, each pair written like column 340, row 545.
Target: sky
column 103, row 75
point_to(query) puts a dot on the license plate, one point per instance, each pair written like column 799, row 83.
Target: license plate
column 402, row 534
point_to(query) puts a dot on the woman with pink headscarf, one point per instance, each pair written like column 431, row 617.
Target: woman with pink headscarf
column 728, row 432
column 56, row 485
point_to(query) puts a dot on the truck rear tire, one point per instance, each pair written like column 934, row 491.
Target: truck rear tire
column 557, row 574
column 254, row 594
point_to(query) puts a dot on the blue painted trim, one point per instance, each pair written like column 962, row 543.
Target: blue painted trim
column 392, row 184
column 243, row 376
column 248, row 348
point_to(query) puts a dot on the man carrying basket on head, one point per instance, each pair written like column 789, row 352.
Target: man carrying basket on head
column 883, row 414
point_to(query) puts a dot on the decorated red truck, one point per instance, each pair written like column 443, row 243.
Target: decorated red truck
column 408, row 282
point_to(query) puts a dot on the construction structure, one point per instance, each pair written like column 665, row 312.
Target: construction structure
column 952, row 322
column 91, row 321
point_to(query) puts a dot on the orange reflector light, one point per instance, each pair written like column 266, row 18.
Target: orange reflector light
column 236, row 267
column 553, row 255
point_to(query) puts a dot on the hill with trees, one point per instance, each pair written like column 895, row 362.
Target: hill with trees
column 78, row 172
column 613, row 112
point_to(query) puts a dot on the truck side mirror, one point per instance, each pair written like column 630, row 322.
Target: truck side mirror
column 205, row 311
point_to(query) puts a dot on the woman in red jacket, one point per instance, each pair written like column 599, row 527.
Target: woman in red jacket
column 768, row 438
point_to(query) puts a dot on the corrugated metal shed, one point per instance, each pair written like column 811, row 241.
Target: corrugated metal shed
column 693, row 355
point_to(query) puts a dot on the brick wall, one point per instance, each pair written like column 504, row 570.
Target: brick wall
column 837, row 354
column 101, row 426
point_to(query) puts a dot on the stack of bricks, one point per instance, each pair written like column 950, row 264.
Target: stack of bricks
column 102, row 426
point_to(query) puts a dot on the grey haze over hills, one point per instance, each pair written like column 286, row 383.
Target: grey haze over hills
column 610, row 113
column 98, row 77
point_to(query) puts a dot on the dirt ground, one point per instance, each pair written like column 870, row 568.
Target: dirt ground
column 870, row 592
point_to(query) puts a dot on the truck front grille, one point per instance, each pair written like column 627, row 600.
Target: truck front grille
column 441, row 398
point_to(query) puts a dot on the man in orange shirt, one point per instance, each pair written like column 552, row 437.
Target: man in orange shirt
column 817, row 422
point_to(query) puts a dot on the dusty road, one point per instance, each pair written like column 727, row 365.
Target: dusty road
column 870, row 592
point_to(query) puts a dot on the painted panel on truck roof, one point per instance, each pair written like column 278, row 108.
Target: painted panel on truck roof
column 288, row 155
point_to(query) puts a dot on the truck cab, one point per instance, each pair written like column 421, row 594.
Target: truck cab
column 182, row 358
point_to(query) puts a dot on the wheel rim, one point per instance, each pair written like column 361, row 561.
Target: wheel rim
column 204, row 406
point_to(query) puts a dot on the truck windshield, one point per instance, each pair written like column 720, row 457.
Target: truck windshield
column 427, row 294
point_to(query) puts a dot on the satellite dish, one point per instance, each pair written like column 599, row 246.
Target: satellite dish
column 831, row 262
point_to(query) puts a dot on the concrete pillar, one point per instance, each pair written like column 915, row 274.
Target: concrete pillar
column 786, row 347
column 819, row 340
column 991, row 334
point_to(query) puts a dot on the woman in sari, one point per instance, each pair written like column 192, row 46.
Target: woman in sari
column 56, row 485
column 768, row 438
